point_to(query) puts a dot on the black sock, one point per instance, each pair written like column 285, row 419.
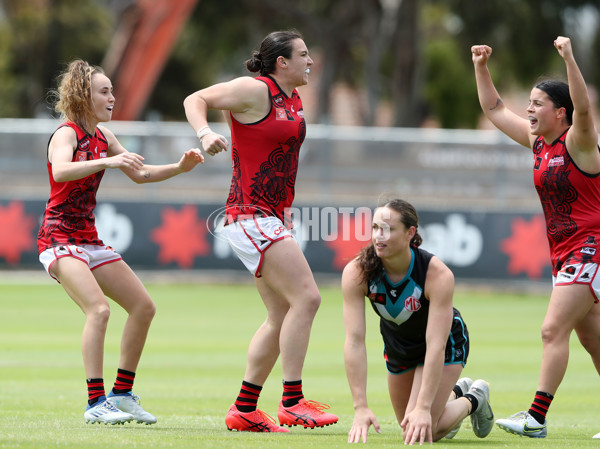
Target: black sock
column 458, row 391
column 474, row 402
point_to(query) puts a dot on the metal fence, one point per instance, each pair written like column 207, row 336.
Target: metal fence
column 432, row 168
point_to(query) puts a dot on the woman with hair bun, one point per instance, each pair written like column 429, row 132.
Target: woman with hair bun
column 426, row 342
column 79, row 152
column 267, row 124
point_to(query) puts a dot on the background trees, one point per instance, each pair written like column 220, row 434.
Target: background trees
column 409, row 58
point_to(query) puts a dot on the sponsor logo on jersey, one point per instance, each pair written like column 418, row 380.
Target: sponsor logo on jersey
column 556, row 161
column 82, row 157
column 588, row 250
column 378, row 298
column 301, row 113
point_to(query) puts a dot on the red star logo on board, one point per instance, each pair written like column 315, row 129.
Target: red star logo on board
column 352, row 236
column 17, row 234
column 182, row 236
column 527, row 247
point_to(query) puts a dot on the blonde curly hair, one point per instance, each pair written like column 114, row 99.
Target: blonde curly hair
column 74, row 93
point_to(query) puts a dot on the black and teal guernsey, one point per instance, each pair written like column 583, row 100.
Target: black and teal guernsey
column 403, row 308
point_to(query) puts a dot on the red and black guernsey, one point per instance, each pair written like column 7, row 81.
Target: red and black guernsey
column 69, row 215
column 571, row 202
column 265, row 158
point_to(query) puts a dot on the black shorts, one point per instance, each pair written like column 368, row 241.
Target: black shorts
column 402, row 357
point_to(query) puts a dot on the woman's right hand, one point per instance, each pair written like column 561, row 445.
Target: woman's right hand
column 481, row 54
column 363, row 418
column 214, row 143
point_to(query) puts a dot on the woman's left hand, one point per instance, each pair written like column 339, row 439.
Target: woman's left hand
column 416, row 426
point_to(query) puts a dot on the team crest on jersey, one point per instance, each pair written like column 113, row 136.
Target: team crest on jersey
column 412, row 304
column 84, row 144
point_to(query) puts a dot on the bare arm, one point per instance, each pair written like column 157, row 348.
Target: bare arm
column 60, row 154
column 355, row 352
column 582, row 137
column 515, row 127
column 439, row 288
column 246, row 97
column 152, row 173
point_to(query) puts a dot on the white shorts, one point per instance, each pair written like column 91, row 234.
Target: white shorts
column 580, row 273
column 250, row 238
column 94, row 256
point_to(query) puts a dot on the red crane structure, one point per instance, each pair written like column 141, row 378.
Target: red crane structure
column 147, row 31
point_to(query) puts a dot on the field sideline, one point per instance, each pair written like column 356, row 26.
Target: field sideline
column 194, row 361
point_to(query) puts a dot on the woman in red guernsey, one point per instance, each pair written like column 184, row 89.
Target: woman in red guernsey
column 566, row 168
column 69, row 247
column 267, row 129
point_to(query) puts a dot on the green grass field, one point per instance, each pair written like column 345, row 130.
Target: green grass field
column 194, row 362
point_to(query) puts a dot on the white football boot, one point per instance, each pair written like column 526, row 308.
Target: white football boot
column 522, row 423
column 130, row 403
column 482, row 419
column 105, row 412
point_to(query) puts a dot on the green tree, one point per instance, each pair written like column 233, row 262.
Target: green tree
column 452, row 100
column 38, row 37
column 411, row 54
